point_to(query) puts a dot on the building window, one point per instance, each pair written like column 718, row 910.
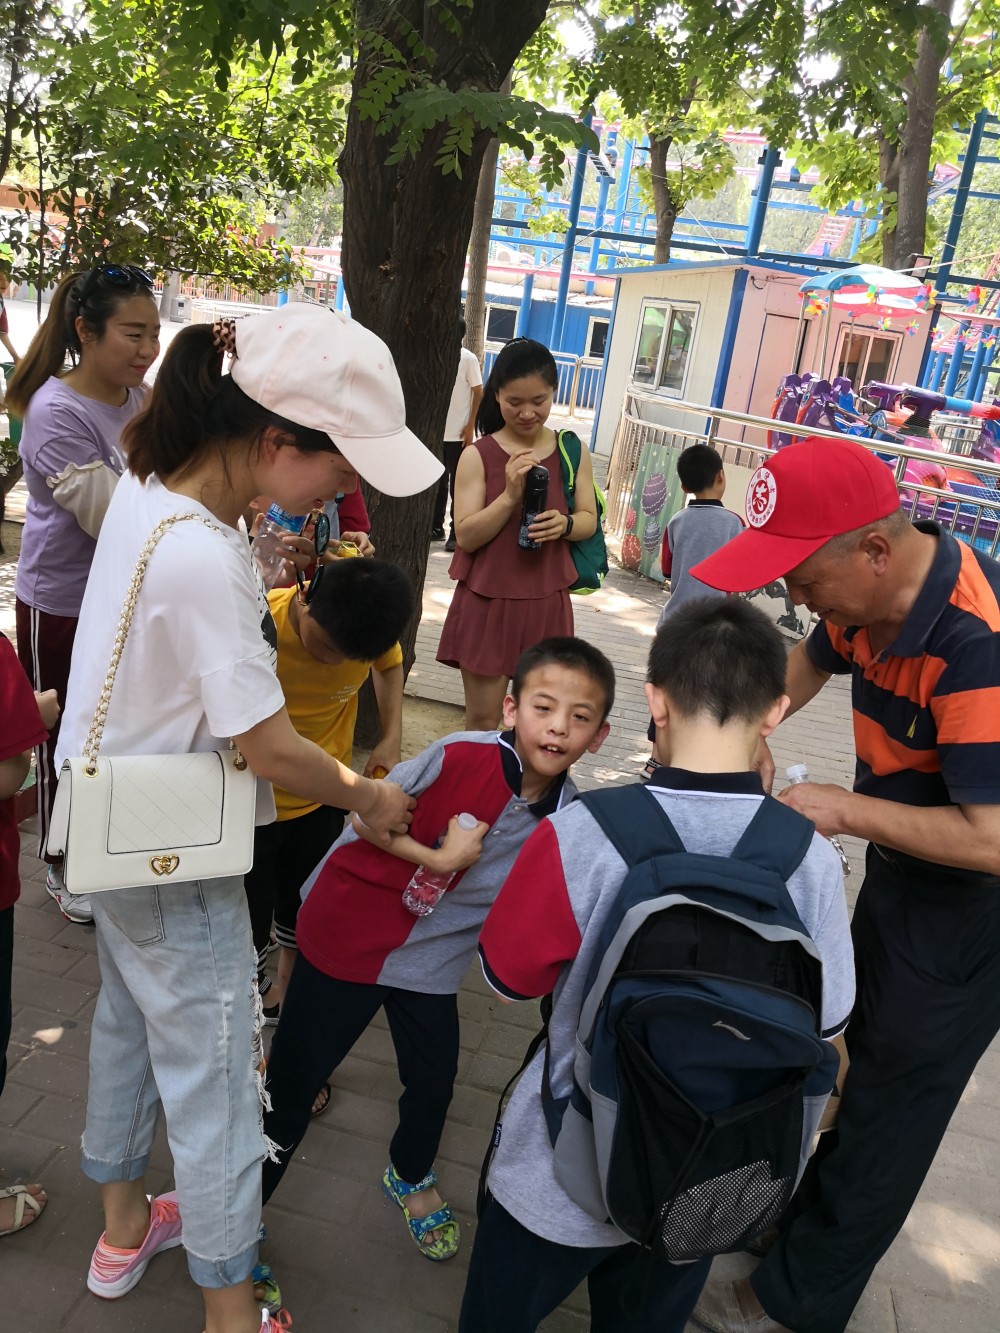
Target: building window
column 501, row 323
column 663, row 349
column 866, row 356
column 597, row 337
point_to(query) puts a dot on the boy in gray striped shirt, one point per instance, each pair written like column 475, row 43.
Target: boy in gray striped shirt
column 692, row 535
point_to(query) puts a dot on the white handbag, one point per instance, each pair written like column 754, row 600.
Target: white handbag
column 150, row 819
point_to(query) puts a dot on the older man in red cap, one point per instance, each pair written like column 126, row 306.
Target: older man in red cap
column 913, row 615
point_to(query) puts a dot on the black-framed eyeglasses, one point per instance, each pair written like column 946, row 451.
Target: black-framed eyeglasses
column 321, row 540
column 116, row 275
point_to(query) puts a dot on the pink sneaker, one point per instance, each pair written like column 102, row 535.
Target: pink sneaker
column 113, row 1272
column 279, row 1322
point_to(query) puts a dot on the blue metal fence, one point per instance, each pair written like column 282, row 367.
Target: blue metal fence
column 579, row 377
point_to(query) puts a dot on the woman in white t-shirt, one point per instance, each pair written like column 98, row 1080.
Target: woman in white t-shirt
column 312, row 399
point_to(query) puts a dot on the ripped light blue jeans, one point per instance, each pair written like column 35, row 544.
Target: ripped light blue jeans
column 174, row 1028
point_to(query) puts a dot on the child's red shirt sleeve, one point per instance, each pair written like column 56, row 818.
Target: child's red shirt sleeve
column 354, row 513
column 666, row 555
column 531, row 932
column 21, row 725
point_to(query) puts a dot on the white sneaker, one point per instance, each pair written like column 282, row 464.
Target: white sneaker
column 74, row 906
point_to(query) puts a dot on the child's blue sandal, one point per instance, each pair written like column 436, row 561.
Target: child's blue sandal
column 443, row 1220
column 265, row 1287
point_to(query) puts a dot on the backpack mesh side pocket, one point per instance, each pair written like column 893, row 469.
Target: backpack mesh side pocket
column 698, row 1183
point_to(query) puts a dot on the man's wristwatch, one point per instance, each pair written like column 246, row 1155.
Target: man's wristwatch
column 569, row 525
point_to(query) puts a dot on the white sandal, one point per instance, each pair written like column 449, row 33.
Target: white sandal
column 24, row 1200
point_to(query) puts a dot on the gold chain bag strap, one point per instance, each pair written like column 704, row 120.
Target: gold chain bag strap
column 150, row 819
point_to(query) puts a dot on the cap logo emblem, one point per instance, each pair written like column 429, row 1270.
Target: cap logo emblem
column 762, row 494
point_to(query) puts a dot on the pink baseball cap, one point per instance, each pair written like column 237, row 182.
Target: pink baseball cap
column 320, row 369
column 796, row 501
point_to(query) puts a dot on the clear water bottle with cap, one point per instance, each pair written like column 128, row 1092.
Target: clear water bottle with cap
column 427, row 887
column 268, row 551
column 536, row 494
column 796, row 773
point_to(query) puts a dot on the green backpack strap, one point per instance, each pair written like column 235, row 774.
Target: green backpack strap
column 570, row 448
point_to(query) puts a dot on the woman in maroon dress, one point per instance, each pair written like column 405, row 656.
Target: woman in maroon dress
column 509, row 598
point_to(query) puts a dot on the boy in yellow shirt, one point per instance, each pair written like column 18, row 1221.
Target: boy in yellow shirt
column 330, row 637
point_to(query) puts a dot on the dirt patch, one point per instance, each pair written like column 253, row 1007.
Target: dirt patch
column 424, row 720
column 10, row 539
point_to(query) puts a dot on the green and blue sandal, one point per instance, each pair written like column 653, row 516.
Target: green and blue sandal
column 443, row 1219
column 265, row 1288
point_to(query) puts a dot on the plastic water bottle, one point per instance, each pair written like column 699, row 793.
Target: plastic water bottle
column 797, row 773
column 536, row 492
column 268, row 551
column 427, row 887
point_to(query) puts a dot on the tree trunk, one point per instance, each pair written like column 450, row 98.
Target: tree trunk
column 479, row 253
column 479, row 247
column 171, row 289
column 905, row 164
column 664, row 207
column 17, row 42
column 406, row 233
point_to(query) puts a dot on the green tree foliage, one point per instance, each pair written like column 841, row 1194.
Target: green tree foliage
column 904, row 77
column 979, row 243
column 313, row 215
column 425, row 101
column 26, row 26
column 686, row 72
column 128, row 148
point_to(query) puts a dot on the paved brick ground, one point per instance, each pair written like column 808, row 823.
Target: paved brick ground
column 339, row 1248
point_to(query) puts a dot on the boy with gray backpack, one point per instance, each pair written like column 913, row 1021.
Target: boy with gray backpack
column 693, row 937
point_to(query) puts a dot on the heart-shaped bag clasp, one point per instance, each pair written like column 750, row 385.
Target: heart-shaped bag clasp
column 164, row 865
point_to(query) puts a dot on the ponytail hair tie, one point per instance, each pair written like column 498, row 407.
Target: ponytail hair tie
column 224, row 336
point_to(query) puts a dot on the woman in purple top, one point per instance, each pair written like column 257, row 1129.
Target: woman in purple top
column 106, row 323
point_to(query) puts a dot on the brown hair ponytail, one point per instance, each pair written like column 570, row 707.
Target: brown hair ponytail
column 170, row 432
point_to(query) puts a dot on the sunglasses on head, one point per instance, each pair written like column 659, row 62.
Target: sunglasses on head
column 115, row 275
column 321, row 540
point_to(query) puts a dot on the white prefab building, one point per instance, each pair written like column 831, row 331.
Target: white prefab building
column 723, row 334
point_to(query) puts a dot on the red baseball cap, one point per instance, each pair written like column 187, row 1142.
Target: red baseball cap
column 796, row 501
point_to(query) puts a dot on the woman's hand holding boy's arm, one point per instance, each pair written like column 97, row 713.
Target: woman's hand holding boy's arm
column 402, row 845
column 275, row 751
column 383, row 805
column 460, row 848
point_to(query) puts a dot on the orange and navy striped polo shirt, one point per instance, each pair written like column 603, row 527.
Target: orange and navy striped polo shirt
column 927, row 707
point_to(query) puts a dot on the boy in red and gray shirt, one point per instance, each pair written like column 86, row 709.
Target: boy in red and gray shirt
column 361, row 950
